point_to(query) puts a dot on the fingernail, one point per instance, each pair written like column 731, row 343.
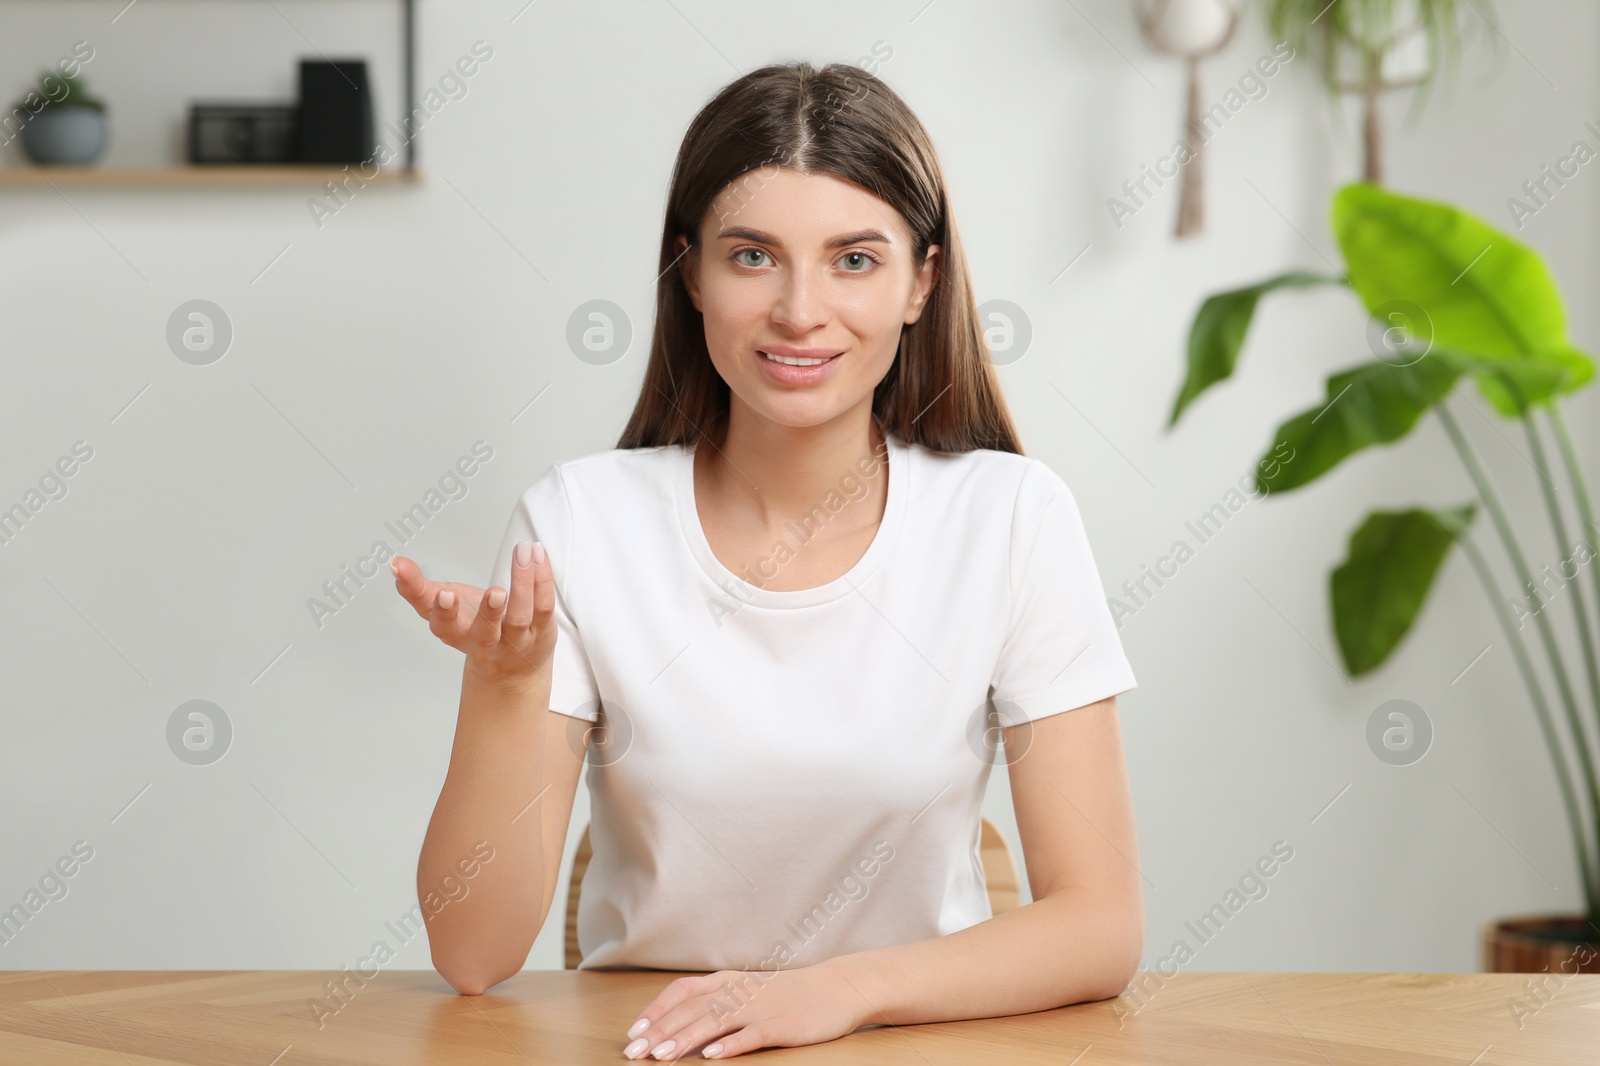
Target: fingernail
column 394, row 567
column 497, row 596
column 538, row 553
column 638, row 1027
column 711, row 1051
column 635, row 1049
column 665, row 1049
column 524, row 552
column 447, row 599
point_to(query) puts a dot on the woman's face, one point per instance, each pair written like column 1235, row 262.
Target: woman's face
column 804, row 265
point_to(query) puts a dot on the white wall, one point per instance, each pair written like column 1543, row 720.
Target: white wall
column 371, row 352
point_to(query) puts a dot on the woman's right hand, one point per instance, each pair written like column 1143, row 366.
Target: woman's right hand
column 506, row 638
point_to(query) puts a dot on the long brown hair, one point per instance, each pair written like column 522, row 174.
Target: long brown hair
column 941, row 390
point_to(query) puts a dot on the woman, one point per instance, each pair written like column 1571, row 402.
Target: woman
column 812, row 573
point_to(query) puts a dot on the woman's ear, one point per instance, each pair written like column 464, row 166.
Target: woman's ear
column 926, row 278
column 688, row 269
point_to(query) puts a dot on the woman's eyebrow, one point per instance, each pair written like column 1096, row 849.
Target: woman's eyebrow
column 745, row 233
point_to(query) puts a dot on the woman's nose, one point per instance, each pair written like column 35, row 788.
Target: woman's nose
column 799, row 305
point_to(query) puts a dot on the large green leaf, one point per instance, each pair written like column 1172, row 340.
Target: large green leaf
column 1379, row 402
column 1515, row 385
column 1373, row 403
column 1473, row 287
column 1219, row 330
column 1379, row 590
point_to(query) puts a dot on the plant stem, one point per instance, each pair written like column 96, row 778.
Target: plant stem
column 1579, row 488
column 1569, row 795
column 1491, row 501
column 1580, row 491
column 1585, row 641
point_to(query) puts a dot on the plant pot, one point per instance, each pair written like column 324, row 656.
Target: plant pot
column 1188, row 27
column 1541, row 943
column 61, row 134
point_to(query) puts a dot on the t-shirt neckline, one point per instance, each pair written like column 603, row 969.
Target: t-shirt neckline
column 744, row 589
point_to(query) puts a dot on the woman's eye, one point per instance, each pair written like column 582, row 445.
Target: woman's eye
column 866, row 261
column 748, row 251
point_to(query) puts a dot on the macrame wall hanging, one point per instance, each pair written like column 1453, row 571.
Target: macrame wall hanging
column 1190, row 30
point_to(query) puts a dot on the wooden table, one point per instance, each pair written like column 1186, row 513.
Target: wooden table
column 263, row 1018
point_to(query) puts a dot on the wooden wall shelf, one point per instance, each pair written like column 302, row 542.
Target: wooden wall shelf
column 209, row 174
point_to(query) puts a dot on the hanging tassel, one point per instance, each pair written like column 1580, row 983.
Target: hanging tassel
column 1158, row 18
column 1192, row 183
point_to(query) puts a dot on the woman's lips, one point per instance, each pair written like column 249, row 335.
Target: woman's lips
column 787, row 374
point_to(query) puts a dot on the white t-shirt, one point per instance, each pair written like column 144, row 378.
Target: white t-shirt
column 786, row 776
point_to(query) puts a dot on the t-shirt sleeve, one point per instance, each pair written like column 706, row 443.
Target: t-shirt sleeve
column 1062, row 650
column 544, row 514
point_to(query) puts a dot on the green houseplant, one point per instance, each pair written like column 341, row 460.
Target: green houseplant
column 63, row 122
column 1450, row 300
column 1368, row 47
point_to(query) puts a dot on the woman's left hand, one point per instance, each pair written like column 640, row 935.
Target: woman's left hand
column 734, row 1011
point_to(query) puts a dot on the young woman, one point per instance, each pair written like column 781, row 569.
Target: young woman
column 803, row 594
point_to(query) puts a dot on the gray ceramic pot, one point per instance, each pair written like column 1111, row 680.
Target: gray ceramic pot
column 65, row 135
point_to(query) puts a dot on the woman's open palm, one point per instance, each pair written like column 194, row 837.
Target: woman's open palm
column 505, row 636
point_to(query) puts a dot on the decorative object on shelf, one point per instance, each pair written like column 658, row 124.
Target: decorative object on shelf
column 1369, row 47
column 1450, row 300
column 224, row 133
column 1191, row 30
column 68, row 128
column 335, row 112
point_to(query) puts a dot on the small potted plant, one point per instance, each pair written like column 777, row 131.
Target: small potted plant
column 1368, row 47
column 62, row 122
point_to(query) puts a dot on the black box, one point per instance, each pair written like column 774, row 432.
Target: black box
column 241, row 133
column 335, row 112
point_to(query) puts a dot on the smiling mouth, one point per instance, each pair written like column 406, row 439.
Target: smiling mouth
column 792, row 361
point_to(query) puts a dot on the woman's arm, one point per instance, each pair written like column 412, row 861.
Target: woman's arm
column 1082, row 936
column 509, row 750
column 513, row 773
